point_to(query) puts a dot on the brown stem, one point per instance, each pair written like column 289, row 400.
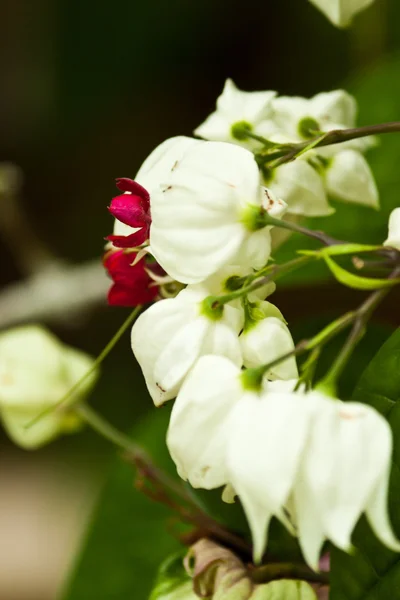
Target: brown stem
column 336, row 136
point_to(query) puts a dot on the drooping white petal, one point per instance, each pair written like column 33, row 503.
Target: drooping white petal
column 197, row 431
column 347, row 453
column 266, row 439
column 265, row 341
column 152, row 332
column 378, row 515
column 393, row 239
column 337, row 106
column 341, row 12
column 169, row 336
column 197, row 216
column 349, row 178
column 302, row 188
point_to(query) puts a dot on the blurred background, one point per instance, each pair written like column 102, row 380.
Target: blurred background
column 88, row 89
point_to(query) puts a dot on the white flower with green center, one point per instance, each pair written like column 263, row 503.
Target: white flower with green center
column 211, row 212
column 36, row 371
column 170, row 336
column 237, row 112
column 341, row 12
column 393, row 239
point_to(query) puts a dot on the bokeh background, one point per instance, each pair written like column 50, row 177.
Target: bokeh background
column 88, row 89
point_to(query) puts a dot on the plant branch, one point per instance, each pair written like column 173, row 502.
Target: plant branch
column 336, row 136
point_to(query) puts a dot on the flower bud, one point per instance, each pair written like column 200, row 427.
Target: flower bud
column 36, row 371
column 341, row 12
column 393, row 239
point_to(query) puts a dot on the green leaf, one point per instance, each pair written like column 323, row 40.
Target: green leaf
column 356, row 282
column 173, row 583
column 128, row 537
column 373, row 571
column 285, row 589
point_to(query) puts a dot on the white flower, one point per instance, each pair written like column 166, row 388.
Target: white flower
column 266, row 340
column 302, row 118
column 393, row 239
column 36, row 371
column 341, row 12
column 302, row 188
column 169, row 337
column 344, row 472
column 314, row 462
column 197, row 431
column 208, row 213
column 156, row 168
column 237, row 110
column 348, row 177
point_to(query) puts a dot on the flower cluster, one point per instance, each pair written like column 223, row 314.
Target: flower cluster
column 241, row 419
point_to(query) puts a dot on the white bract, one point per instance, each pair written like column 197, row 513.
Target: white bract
column 302, row 187
column 156, row 168
column 208, row 213
column 393, row 239
column 172, row 334
column 309, row 460
column 264, row 341
column 344, row 473
column 341, row 12
column 238, row 110
column 36, row 371
column 348, row 177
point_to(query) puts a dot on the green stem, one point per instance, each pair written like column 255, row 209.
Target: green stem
column 105, row 352
column 273, row 571
column 335, row 136
column 276, row 272
column 318, row 235
column 363, row 314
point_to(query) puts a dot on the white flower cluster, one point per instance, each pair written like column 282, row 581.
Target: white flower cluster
column 338, row 170
column 295, row 455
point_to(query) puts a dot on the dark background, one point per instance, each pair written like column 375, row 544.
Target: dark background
column 88, row 89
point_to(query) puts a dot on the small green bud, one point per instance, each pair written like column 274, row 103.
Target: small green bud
column 252, row 379
column 308, row 128
column 240, row 130
column 267, row 173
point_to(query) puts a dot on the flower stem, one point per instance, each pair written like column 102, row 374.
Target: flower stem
column 335, row 136
column 105, row 352
column 362, row 316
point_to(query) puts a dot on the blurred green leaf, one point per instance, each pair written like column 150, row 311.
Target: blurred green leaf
column 128, row 537
column 373, row 571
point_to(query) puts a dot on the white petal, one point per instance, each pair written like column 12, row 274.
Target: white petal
column 288, row 112
column 262, row 463
column 378, row 515
column 266, row 341
column 334, row 107
column 196, row 218
column 341, row 12
column 151, row 333
column 299, row 184
column 255, row 250
column 197, row 431
column 350, row 178
column 180, row 354
column 393, row 239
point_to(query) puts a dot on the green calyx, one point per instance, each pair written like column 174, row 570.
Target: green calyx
column 308, row 128
column 211, row 308
column 254, row 217
column 240, row 130
column 252, row 379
